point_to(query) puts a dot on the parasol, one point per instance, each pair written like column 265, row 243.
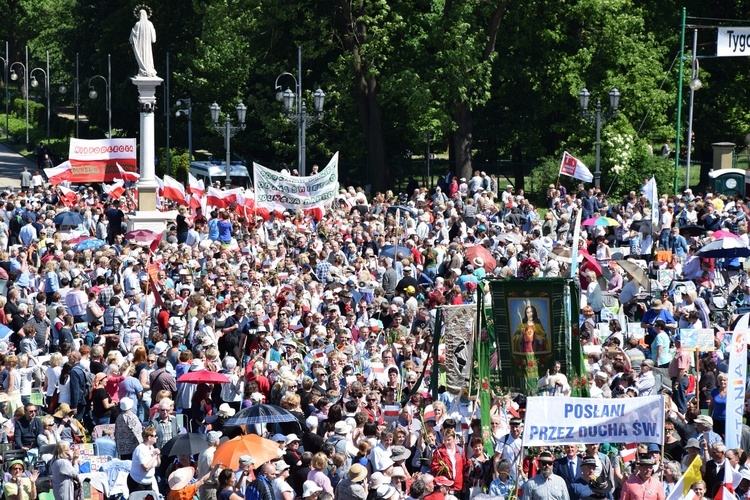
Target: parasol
column 260, row 414
column 727, row 248
column 480, row 251
column 600, row 221
column 203, row 377
column 67, row 219
column 260, row 449
column 637, row 273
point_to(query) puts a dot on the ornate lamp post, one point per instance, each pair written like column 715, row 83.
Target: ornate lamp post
column 228, row 131
column 108, row 89
column 298, row 114
column 63, row 89
column 598, row 118
column 187, row 110
column 14, row 77
column 35, row 83
column 6, row 67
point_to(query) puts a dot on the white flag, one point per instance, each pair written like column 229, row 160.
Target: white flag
column 574, row 167
column 652, row 194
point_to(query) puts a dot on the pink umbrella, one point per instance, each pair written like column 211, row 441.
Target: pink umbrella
column 724, row 234
column 142, row 235
column 75, row 241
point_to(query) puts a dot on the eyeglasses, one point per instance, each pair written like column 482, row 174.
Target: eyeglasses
column 546, row 464
column 152, row 361
column 372, row 400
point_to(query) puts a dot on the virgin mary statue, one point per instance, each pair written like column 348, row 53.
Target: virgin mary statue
column 142, row 36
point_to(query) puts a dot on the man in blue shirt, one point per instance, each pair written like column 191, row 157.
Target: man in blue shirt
column 657, row 311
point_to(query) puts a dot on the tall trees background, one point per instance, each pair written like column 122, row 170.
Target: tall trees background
column 490, row 81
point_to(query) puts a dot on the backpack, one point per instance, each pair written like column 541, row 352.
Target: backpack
column 88, row 380
column 153, row 327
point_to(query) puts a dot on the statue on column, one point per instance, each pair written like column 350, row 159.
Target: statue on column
column 142, row 36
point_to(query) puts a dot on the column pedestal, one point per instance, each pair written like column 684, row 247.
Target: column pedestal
column 147, row 217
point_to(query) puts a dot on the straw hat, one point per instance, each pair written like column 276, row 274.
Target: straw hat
column 180, row 478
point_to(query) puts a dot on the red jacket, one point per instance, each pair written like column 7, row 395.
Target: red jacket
column 440, row 457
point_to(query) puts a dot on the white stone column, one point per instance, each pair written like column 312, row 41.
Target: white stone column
column 147, row 185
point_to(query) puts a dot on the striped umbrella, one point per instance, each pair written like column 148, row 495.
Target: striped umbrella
column 600, row 221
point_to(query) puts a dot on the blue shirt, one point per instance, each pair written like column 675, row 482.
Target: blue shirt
column 662, row 339
column 213, row 229
column 225, row 231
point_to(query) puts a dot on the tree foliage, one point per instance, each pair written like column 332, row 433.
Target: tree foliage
column 489, row 80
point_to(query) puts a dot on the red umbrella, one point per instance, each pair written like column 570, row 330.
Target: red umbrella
column 203, row 377
column 142, row 235
column 590, row 262
column 75, row 241
column 480, row 251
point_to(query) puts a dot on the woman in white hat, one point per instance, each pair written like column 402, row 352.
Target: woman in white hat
column 179, row 483
column 128, row 429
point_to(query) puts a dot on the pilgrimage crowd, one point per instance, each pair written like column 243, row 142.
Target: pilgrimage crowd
column 324, row 318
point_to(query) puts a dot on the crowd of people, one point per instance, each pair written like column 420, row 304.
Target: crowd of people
column 331, row 318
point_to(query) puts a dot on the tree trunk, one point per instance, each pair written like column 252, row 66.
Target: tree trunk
column 463, row 139
column 354, row 34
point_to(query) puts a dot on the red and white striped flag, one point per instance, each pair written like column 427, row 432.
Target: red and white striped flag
column 174, row 191
column 629, row 452
column 128, row 176
column 68, row 196
column 196, row 187
column 114, row 190
column 62, row 172
column 726, row 491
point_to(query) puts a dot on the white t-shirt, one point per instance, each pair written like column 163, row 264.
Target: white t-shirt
column 141, row 455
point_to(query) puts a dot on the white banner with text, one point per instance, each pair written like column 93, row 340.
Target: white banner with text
column 554, row 421
column 277, row 191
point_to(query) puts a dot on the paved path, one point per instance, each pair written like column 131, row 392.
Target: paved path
column 11, row 166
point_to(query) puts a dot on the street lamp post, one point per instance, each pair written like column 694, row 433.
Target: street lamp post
column 187, row 111
column 695, row 84
column 35, row 83
column 598, row 118
column 108, row 90
column 6, row 67
column 228, row 131
column 63, row 89
column 14, row 77
column 298, row 114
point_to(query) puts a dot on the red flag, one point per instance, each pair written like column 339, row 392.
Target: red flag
column 174, row 191
column 68, row 197
column 115, row 190
column 155, row 244
column 128, row 176
column 60, row 173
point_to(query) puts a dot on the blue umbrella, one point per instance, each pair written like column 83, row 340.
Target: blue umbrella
column 392, row 250
column 90, row 244
column 67, row 219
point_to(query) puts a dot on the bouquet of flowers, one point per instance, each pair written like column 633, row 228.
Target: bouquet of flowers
column 528, row 268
